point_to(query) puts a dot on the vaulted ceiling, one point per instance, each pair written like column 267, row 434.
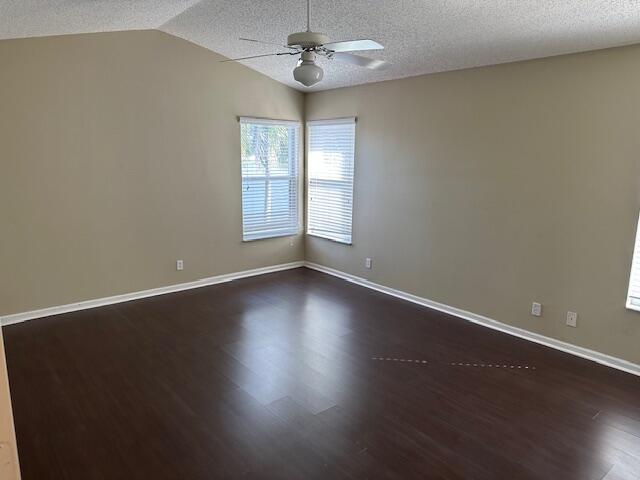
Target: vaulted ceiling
column 420, row 36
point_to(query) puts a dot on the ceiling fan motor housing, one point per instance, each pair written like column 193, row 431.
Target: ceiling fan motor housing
column 307, row 39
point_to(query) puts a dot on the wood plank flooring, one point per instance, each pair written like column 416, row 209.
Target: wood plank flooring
column 292, row 376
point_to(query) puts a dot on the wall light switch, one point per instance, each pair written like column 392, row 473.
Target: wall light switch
column 179, row 265
column 536, row 309
column 572, row 319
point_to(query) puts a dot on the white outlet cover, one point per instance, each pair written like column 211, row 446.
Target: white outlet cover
column 179, row 265
column 572, row 319
column 367, row 263
column 536, row 309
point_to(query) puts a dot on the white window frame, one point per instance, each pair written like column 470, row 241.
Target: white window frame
column 633, row 303
column 295, row 178
column 332, row 121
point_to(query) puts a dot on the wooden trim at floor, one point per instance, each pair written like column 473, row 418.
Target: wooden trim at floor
column 9, row 464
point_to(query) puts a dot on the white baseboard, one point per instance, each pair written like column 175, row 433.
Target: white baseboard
column 586, row 353
column 99, row 302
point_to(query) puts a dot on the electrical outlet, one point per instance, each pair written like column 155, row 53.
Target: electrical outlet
column 367, row 263
column 179, row 265
column 572, row 319
column 536, row 309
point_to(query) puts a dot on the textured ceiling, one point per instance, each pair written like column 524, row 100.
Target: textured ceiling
column 420, row 36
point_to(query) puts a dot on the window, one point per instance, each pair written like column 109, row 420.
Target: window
column 633, row 297
column 270, row 152
column 331, row 145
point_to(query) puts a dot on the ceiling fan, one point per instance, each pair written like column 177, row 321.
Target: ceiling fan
column 311, row 44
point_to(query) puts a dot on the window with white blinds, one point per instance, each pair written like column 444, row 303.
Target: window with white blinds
column 633, row 297
column 331, row 148
column 269, row 151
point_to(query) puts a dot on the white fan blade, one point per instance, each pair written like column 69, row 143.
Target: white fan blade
column 255, row 56
column 353, row 46
column 360, row 61
column 266, row 43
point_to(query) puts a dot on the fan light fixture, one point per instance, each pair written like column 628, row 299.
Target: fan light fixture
column 311, row 44
column 307, row 72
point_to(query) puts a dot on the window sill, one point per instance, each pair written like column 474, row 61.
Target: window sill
column 265, row 236
column 332, row 239
column 632, row 306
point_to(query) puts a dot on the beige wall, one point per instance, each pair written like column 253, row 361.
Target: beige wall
column 484, row 189
column 490, row 188
column 119, row 154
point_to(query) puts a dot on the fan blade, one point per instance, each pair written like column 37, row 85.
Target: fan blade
column 360, row 61
column 255, row 56
column 266, row 43
column 353, row 46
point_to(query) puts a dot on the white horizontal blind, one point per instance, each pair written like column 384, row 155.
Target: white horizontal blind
column 331, row 149
column 633, row 297
column 269, row 150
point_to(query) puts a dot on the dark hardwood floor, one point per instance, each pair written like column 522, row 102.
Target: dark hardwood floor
column 285, row 376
